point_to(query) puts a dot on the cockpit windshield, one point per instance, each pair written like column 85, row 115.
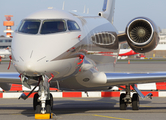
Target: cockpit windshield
column 29, row 26
column 72, row 25
column 53, row 26
column 47, row 26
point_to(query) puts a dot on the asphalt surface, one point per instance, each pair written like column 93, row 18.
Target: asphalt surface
column 121, row 66
column 91, row 108
column 140, row 66
column 85, row 109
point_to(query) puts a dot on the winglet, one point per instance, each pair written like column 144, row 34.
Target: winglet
column 108, row 10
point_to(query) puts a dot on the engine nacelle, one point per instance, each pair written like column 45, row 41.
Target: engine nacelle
column 142, row 35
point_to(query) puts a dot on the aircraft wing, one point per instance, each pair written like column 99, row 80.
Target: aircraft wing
column 134, row 78
column 115, row 79
column 13, row 78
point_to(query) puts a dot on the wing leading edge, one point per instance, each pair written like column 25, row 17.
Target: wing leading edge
column 134, row 78
column 13, row 78
column 10, row 78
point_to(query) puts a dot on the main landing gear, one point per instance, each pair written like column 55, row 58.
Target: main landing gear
column 126, row 99
column 134, row 101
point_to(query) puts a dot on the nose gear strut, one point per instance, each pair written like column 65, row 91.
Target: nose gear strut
column 23, row 96
column 43, row 100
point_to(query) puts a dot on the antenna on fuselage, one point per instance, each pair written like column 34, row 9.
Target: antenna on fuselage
column 87, row 10
column 84, row 9
column 63, row 7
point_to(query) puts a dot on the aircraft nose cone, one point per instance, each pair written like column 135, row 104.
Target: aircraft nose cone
column 29, row 68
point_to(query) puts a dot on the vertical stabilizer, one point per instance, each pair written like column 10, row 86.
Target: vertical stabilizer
column 108, row 10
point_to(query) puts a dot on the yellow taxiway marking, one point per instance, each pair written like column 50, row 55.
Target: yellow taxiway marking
column 144, row 106
column 111, row 117
column 96, row 115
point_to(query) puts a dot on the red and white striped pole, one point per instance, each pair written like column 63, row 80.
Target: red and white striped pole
column 8, row 25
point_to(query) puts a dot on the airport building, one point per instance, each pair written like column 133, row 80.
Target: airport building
column 5, row 42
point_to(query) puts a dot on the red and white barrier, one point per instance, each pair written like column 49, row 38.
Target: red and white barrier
column 82, row 94
column 154, row 88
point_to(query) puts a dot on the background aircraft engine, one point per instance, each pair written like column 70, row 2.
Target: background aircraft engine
column 142, row 35
column 5, row 86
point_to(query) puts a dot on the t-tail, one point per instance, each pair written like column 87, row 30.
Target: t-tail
column 108, row 10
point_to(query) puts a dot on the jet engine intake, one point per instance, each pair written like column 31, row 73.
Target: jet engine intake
column 142, row 34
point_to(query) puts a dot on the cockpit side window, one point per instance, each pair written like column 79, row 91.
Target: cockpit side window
column 53, row 26
column 29, row 26
column 72, row 25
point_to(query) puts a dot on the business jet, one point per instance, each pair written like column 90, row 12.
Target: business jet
column 69, row 51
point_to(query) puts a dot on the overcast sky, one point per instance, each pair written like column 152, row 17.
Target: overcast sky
column 125, row 10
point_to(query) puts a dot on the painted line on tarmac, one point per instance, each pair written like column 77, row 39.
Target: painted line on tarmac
column 111, row 117
column 145, row 106
column 96, row 115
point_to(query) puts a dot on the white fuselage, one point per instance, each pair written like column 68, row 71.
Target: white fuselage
column 59, row 53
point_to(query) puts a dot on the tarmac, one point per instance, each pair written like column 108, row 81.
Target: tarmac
column 85, row 109
column 121, row 66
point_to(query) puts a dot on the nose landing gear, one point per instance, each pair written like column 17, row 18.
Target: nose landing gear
column 48, row 107
column 43, row 100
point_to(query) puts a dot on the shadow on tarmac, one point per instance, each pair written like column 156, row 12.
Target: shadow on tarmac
column 104, row 105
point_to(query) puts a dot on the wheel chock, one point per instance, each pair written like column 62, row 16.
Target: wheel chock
column 43, row 116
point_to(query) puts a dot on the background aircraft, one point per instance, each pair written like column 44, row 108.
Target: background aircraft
column 5, row 52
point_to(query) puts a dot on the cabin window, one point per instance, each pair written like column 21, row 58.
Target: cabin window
column 72, row 25
column 53, row 26
column 29, row 26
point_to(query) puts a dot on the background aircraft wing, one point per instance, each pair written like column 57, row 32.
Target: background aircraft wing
column 134, row 78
